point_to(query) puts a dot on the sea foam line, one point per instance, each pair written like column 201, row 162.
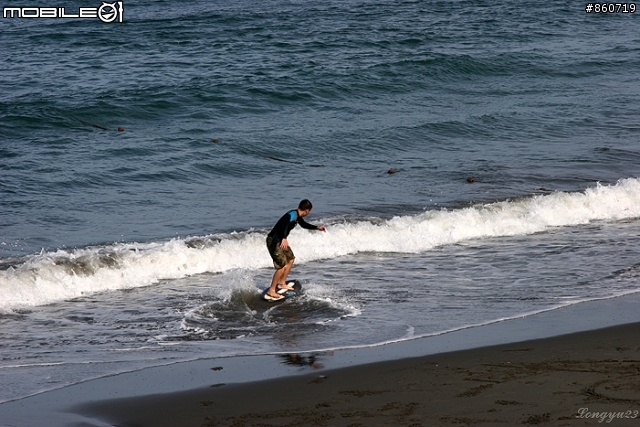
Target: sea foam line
column 65, row 274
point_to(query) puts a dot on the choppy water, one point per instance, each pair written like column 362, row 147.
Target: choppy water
column 120, row 250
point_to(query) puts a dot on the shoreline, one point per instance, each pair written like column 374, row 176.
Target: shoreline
column 585, row 378
column 225, row 374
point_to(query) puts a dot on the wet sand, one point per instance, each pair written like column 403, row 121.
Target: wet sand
column 585, row 378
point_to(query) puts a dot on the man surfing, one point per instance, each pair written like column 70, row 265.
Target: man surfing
column 280, row 250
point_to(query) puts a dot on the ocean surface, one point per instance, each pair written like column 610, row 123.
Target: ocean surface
column 123, row 249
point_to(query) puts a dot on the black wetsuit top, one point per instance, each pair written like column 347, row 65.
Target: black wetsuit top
column 287, row 223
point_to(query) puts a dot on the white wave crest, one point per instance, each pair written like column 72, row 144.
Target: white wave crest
column 65, row 274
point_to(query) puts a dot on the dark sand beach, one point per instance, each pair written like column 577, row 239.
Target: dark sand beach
column 584, row 378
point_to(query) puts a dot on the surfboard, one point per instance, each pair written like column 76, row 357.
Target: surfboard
column 297, row 290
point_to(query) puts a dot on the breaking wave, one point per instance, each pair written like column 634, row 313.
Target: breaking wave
column 64, row 274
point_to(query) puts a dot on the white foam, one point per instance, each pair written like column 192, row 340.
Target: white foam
column 65, row 274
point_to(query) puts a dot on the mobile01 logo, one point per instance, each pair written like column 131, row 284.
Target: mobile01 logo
column 107, row 12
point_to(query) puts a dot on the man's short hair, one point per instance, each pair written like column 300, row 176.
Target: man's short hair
column 305, row 205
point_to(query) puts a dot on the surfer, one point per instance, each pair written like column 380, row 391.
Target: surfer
column 280, row 250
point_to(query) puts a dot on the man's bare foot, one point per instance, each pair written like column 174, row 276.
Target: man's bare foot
column 284, row 286
column 273, row 297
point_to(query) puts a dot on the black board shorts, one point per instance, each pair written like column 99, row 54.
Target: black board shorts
column 280, row 257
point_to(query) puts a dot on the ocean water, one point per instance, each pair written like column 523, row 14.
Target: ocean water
column 126, row 249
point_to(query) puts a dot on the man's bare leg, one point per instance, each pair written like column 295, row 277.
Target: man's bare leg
column 282, row 284
column 277, row 277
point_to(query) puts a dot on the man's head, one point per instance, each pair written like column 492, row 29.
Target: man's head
column 304, row 207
